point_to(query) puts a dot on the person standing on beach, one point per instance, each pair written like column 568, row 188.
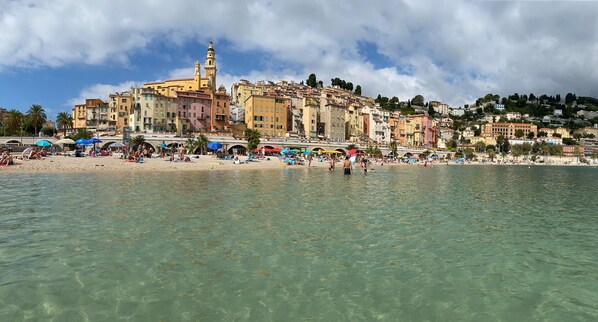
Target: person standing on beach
column 309, row 159
column 347, row 166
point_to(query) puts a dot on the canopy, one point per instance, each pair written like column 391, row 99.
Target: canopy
column 95, row 140
column 43, row 143
column 117, row 145
column 214, row 145
column 65, row 141
column 331, row 151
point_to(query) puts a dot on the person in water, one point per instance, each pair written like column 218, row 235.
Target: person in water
column 347, row 166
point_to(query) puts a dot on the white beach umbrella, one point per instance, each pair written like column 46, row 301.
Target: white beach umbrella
column 65, row 141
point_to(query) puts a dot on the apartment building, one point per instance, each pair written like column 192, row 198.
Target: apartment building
column 508, row 129
column 267, row 114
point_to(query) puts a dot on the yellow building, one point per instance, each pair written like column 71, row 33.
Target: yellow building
column 267, row 114
column 120, row 107
column 79, row 116
column 508, row 129
column 206, row 83
column 353, row 123
column 93, row 115
column 563, row 132
column 311, row 106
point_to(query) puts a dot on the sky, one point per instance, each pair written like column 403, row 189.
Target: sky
column 57, row 53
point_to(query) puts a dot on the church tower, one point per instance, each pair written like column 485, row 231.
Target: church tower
column 210, row 67
column 197, row 75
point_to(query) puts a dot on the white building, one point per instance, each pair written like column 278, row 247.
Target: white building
column 378, row 124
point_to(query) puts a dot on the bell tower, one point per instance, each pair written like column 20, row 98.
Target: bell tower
column 210, row 66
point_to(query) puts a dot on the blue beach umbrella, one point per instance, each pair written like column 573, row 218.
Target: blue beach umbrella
column 43, row 143
column 95, row 140
column 214, row 145
column 82, row 142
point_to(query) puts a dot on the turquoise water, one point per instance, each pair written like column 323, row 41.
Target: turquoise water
column 449, row 243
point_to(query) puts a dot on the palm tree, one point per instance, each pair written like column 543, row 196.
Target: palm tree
column 14, row 121
column 202, row 142
column 65, row 121
column 191, row 145
column 36, row 116
column 137, row 141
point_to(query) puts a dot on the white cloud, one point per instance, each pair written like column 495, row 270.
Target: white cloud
column 101, row 91
column 454, row 50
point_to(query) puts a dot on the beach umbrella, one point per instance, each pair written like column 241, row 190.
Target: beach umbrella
column 352, row 152
column 43, row 143
column 82, row 142
column 214, row 145
column 117, row 145
column 65, row 141
column 95, row 140
column 285, row 151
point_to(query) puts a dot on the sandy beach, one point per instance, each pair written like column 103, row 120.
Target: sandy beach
column 58, row 164
column 114, row 164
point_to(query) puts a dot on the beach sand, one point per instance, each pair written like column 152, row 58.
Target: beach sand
column 113, row 164
column 58, row 164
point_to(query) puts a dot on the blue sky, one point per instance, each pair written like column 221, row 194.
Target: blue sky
column 57, row 53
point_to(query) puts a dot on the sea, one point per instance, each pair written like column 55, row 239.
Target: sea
column 403, row 243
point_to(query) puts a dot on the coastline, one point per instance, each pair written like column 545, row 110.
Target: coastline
column 62, row 164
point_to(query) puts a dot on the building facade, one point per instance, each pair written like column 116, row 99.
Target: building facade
column 508, row 130
column 267, row 114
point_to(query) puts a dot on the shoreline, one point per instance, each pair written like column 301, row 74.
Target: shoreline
column 112, row 164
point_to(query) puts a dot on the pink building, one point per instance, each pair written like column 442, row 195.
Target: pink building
column 194, row 110
column 425, row 130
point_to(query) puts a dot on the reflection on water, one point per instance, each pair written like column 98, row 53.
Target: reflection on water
column 404, row 243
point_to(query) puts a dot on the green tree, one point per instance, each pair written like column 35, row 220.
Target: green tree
column 137, row 141
column 36, row 116
column 202, row 143
column 393, row 148
column 82, row 134
column 351, row 146
column 14, row 121
column 516, row 151
column 595, row 155
column 480, row 146
column 253, row 138
column 48, row 130
column 530, row 135
column 64, row 121
column 312, row 81
column 502, row 144
column 519, row 133
column 431, row 111
column 358, row 90
column 191, row 144
column 469, row 155
column 491, row 154
column 418, row 100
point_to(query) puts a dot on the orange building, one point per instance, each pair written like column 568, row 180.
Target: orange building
column 267, row 114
